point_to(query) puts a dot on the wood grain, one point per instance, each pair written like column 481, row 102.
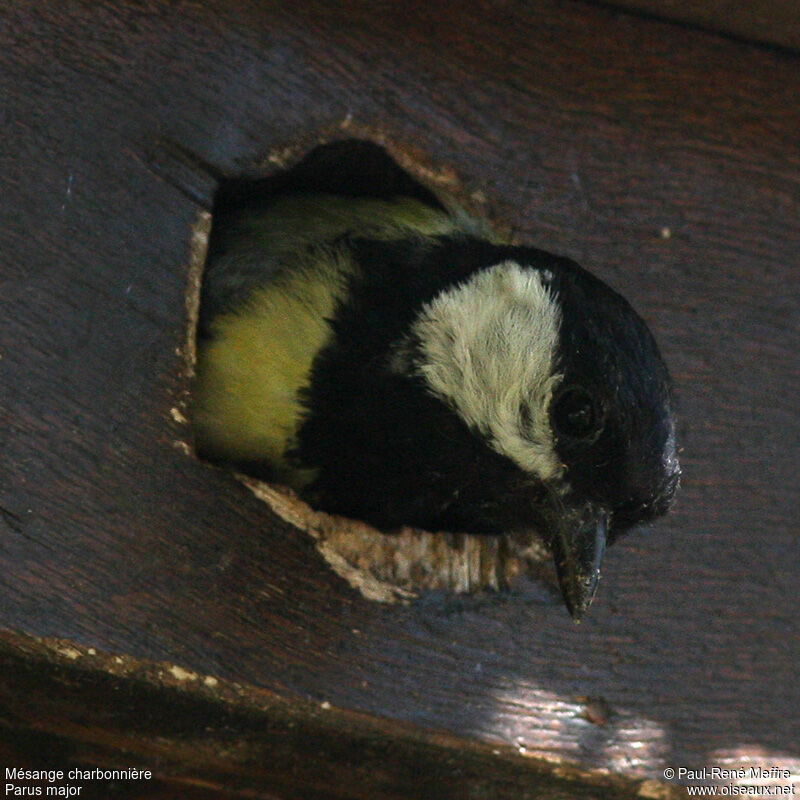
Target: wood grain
column 665, row 160
column 201, row 737
column 772, row 22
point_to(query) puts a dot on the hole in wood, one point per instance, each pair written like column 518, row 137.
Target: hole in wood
column 277, row 272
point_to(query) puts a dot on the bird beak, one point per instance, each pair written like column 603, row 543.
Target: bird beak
column 578, row 545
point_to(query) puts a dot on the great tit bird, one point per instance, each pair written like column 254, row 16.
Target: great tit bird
column 388, row 356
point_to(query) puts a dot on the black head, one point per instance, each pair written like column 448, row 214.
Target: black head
column 612, row 412
column 506, row 389
column 559, row 376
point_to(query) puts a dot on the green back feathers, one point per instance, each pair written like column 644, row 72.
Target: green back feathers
column 295, row 222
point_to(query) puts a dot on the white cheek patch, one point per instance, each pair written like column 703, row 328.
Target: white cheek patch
column 487, row 350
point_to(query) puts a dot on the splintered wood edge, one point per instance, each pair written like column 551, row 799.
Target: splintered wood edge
column 187, row 352
column 397, row 567
column 385, row 567
column 198, row 250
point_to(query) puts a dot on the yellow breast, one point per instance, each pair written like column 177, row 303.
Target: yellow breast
column 258, row 357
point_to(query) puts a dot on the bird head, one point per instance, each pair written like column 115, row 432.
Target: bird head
column 563, row 381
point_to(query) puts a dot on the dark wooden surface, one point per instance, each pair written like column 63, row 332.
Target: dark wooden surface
column 222, row 739
column 666, row 160
column 772, row 22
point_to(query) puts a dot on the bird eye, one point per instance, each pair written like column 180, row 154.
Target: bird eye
column 576, row 414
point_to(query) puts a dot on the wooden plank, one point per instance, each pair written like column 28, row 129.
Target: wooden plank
column 774, row 22
column 195, row 733
column 666, row 160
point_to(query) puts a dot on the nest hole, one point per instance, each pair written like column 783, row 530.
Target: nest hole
column 393, row 566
